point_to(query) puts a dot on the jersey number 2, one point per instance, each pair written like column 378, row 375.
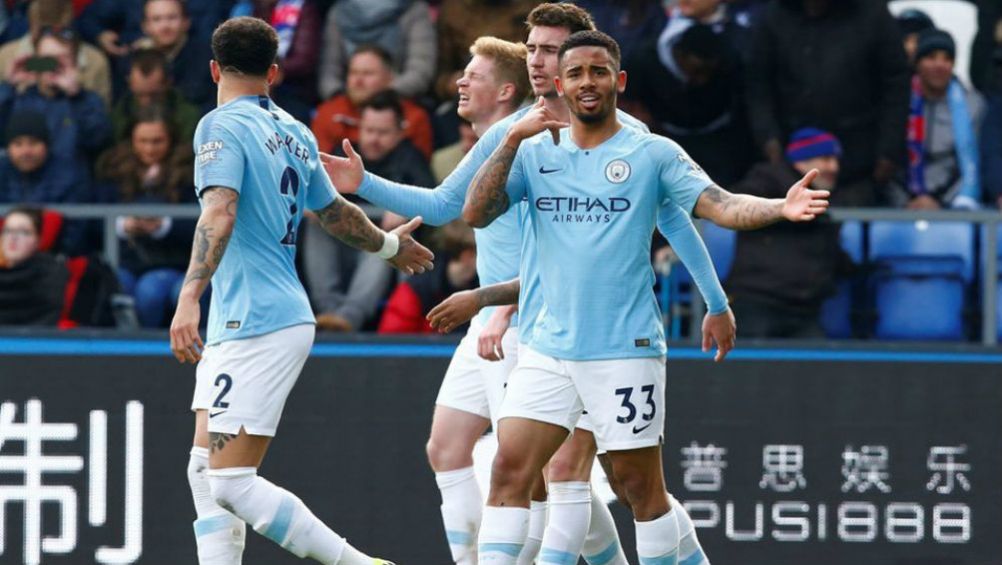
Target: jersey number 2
column 290, row 183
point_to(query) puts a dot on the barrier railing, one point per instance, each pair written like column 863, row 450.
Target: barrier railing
column 988, row 221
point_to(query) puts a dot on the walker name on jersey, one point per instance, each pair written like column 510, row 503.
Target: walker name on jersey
column 587, row 210
column 290, row 144
column 207, row 151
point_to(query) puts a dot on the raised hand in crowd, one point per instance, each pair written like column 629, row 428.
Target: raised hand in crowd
column 108, row 41
column 18, row 75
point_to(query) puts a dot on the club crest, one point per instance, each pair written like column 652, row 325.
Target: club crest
column 617, row 171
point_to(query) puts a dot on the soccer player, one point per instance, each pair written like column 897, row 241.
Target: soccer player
column 595, row 192
column 257, row 170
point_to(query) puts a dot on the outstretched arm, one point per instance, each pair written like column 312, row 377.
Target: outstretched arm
column 487, row 198
column 462, row 306
column 212, row 235
column 746, row 212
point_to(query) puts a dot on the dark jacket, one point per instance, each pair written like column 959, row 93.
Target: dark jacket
column 844, row 72
column 404, row 164
column 55, row 183
column 190, row 71
column 991, row 150
column 31, row 294
column 791, row 264
column 184, row 115
column 78, row 126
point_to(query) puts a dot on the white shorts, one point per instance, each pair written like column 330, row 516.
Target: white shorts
column 473, row 384
column 625, row 398
column 243, row 383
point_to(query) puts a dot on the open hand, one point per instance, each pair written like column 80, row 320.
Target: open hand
column 411, row 257
column 345, row 172
column 185, row 343
column 720, row 329
column 537, row 119
column 803, row 203
column 454, row 311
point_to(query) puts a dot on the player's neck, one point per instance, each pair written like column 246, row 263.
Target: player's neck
column 483, row 124
column 590, row 135
column 231, row 88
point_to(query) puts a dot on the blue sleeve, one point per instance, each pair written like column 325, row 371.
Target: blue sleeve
column 219, row 157
column 320, row 190
column 441, row 204
column 681, row 179
column 100, row 15
column 676, row 225
column 516, row 186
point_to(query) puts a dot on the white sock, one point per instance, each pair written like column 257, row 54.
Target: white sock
column 462, row 508
column 601, row 545
column 502, row 534
column 537, row 525
column 219, row 535
column 570, row 514
column 279, row 515
column 689, row 550
column 657, row 540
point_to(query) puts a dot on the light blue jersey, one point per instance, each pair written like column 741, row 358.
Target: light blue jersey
column 593, row 213
column 499, row 245
column 252, row 146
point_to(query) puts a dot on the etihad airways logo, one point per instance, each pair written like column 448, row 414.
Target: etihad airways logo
column 573, row 209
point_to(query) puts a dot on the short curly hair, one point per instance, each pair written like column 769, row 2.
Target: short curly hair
column 245, row 45
column 560, row 14
column 590, row 39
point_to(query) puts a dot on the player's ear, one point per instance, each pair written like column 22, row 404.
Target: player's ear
column 559, row 85
column 505, row 93
column 272, row 73
column 214, row 70
column 621, row 82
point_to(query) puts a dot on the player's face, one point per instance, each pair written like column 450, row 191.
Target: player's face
column 543, row 45
column 590, row 83
column 164, row 22
column 935, row 70
column 19, row 239
column 151, row 142
column 27, row 153
column 827, row 167
column 367, row 75
column 379, row 132
column 478, row 89
column 697, row 9
column 147, row 87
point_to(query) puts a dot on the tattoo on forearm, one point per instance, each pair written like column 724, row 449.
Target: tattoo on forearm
column 487, row 198
column 211, row 239
column 218, row 441
column 348, row 222
column 500, row 294
column 743, row 211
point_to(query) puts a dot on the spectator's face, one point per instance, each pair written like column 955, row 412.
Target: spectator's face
column 543, row 45
column 19, row 239
column 698, row 9
column 164, row 22
column 590, row 83
column 367, row 75
column 50, row 46
column 935, row 70
column 827, row 167
column 911, row 44
column 478, row 90
column 151, row 142
column 379, row 132
column 27, row 154
column 147, row 88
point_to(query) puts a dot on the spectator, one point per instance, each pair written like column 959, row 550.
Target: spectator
column 692, row 91
column 714, row 13
column 165, row 27
column 839, row 65
column 27, row 174
column 413, row 298
column 912, row 22
column 299, row 49
column 54, row 17
column 369, row 72
column 77, row 120
column 633, row 23
column 150, row 85
column 401, row 27
column 348, row 285
column 783, row 273
column 32, row 283
column 987, row 45
column 942, row 133
column 461, row 22
column 113, row 25
column 151, row 167
column 991, row 140
column 444, row 160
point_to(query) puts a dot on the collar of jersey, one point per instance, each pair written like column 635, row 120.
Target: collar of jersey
column 566, row 141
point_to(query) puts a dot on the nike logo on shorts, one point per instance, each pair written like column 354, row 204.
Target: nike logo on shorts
column 213, row 415
column 637, row 430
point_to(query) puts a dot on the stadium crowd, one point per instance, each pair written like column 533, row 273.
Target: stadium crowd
column 100, row 98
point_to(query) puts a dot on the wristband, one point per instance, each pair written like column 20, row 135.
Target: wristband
column 391, row 244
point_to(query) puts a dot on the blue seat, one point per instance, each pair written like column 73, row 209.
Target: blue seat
column 924, row 239
column 720, row 242
column 927, row 308
column 836, row 312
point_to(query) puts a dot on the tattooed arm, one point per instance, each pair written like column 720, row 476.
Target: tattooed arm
column 486, row 199
column 462, row 306
column 746, row 212
column 212, row 234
